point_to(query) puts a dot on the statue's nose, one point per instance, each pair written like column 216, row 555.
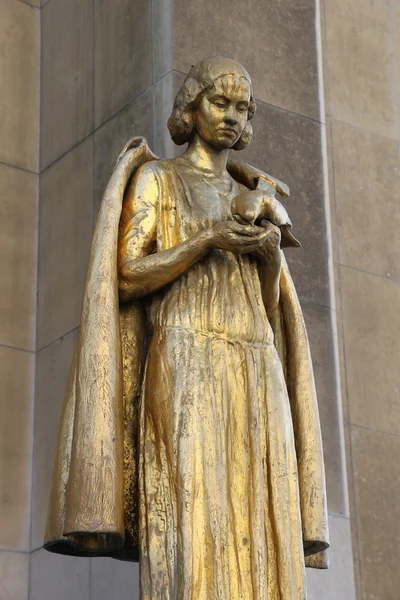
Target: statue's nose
column 230, row 120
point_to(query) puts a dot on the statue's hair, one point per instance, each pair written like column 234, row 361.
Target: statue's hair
column 199, row 80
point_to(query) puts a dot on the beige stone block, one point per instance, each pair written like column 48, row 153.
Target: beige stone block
column 123, row 54
column 14, row 576
column 109, row 575
column 371, row 320
column 66, row 221
column 368, row 219
column 16, row 429
column 320, row 328
column 162, row 38
column 360, row 65
column 55, row 577
column 67, row 76
column 165, row 92
column 289, row 147
column 19, row 84
column 376, row 477
column 136, row 119
column 18, row 257
column 275, row 41
column 337, row 582
column 52, row 368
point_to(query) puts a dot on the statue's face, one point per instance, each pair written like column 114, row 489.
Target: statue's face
column 222, row 112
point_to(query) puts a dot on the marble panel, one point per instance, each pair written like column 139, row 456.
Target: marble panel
column 376, row 477
column 360, row 71
column 58, row 577
column 109, row 575
column 66, row 217
column 66, row 76
column 123, row 54
column 366, row 179
column 16, row 429
column 14, row 576
column 371, row 321
column 18, row 257
column 19, row 84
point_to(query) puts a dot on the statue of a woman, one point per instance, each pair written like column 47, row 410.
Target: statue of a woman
column 190, row 435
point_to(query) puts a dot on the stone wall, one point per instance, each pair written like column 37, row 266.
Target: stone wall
column 19, row 184
column 108, row 70
column 362, row 59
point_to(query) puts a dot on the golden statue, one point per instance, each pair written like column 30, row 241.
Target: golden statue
column 190, row 437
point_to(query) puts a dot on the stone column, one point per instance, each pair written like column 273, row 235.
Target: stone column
column 19, row 182
column 362, row 88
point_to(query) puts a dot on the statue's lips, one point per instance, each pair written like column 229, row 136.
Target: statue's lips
column 228, row 130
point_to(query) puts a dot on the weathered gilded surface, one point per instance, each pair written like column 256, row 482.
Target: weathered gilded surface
column 190, row 433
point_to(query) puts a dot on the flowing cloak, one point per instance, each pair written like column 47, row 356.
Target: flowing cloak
column 94, row 496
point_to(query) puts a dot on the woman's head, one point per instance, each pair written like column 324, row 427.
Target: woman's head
column 216, row 100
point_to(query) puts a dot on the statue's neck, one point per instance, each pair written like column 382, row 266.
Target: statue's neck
column 203, row 156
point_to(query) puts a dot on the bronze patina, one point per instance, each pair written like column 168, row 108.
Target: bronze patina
column 190, row 438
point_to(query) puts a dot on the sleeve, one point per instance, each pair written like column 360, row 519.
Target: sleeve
column 138, row 224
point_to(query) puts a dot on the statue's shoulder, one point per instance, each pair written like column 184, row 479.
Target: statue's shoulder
column 150, row 170
column 154, row 167
column 151, row 176
column 160, row 168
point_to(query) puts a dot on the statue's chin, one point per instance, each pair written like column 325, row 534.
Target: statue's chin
column 222, row 144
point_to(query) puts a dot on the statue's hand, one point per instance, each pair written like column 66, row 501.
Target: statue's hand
column 247, row 206
column 237, row 238
column 272, row 242
column 254, row 206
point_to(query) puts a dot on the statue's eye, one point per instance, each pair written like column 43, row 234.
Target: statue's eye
column 220, row 104
column 242, row 109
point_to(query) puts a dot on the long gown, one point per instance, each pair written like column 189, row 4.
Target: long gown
column 219, row 499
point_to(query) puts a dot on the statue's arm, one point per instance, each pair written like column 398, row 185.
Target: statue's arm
column 269, row 272
column 142, row 270
column 269, row 268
